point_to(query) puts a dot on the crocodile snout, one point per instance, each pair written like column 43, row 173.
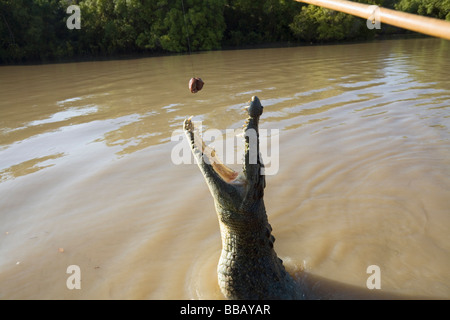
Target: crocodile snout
column 255, row 109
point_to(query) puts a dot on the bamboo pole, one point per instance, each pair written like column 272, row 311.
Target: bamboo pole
column 430, row 26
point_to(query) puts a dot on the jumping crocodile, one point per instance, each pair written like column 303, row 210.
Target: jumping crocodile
column 249, row 267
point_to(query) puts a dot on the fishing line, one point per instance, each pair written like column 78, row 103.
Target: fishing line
column 187, row 36
column 195, row 84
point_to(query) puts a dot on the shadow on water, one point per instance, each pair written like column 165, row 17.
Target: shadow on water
column 321, row 288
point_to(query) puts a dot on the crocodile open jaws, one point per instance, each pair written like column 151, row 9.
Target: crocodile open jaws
column 249, row 267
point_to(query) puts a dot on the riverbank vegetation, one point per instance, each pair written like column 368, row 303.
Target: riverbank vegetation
column 37, row 30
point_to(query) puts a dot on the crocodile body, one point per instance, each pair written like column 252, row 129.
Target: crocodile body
column 249, row 267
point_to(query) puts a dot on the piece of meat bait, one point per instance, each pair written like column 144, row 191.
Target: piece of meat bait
column 195, row 85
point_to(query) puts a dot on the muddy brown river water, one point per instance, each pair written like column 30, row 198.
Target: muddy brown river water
column 358, row 180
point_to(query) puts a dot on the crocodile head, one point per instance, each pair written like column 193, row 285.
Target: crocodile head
column 233, row 192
